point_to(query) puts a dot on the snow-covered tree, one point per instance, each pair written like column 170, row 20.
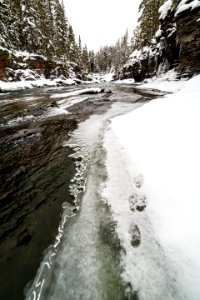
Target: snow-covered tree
column 60, row 30
column 4, row 23
column 148, row 21
column 41, row 27
column 72, row 48
column 85, row 60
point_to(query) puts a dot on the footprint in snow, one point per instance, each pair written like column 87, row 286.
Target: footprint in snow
column 139, row 181
column 137, row 201
column 135, row 235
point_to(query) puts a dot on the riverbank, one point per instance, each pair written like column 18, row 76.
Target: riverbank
column 36, row 171
column 35, row 177
column 153, row 191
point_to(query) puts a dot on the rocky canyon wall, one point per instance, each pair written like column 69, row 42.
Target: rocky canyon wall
column 176, row 45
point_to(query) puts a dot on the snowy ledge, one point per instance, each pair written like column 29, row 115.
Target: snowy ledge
column 78, row 92
column 166, row 83
column 21, row 85
column 163, row 149
column 28, row 84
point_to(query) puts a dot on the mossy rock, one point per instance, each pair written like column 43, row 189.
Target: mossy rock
column 5, row 58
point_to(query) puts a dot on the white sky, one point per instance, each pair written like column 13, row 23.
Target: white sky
column 101, row 22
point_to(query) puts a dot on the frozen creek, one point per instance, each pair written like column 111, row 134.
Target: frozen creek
column 87, row 263
column 105, row 248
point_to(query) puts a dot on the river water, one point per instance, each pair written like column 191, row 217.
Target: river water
column 51, row 181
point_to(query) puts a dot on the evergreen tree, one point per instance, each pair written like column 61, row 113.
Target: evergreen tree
column 85, row 60
column 45, row 29
column 15, row 26
column 41, row 27
column 4, row 23
column 80, row 45
column 61, row 30
column 71, row 46
column 125, row 49
column 149, row 21
column 92, row 61
column 31, row 38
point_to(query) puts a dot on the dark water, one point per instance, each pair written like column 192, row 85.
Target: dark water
column 35, row 173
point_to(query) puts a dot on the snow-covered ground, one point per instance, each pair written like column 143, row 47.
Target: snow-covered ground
column 77, row 92
column 28, row 84
column 99, row 78
column 20, row 85
column 126, row 81
column 167, row 82
column 153, row 167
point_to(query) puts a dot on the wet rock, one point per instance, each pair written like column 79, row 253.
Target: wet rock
column 54, row 104
column 135, row 235
column 5, row 62
column 188, row 35
column 108, row 91
column 177, row 46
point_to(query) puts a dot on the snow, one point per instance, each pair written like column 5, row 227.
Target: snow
column 99, row 78
column 164, row 9
column 183, row 6
column 159, row 143
column 64, row 104
column 108, row 77
column 26, row 54
column 165, row 82
column 28, row 84
column 126, row 81
column 158, row 33
column 76, row 93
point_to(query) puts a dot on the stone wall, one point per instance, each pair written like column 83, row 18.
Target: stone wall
column 176, row 45
column 188, row 36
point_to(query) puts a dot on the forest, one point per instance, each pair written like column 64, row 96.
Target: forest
column 41, row 27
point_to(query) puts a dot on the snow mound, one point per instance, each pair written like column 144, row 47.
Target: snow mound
column 164, row 9
column 126, row 81
column 183, row 6
column 164, row 148
column 99, row 78
column 78, row 92
column 167, row 82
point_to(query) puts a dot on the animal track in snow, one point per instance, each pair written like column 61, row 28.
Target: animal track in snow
column 135, row 235
column 137, row 201
column 139, row 181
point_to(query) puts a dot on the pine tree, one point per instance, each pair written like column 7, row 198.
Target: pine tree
column 61, row 30
column 92, row 61
column 44, row 22
column 85, row 60
column 71, row 46
column 149, row 21
column 41, row 27
column 4, row 24
column 15, row 26
column 31, row 38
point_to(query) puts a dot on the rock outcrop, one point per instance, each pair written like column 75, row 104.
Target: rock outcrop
column 16, row 66
column 176, row 45
column 188, row 36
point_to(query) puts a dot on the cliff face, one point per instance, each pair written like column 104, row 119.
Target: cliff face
column 188, row 36
column 176, row 45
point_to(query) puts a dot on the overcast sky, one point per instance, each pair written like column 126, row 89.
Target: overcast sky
column 101, row 22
